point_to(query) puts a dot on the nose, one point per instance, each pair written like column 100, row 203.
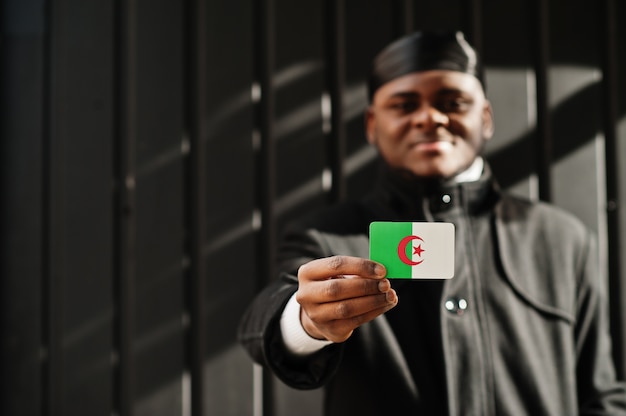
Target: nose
column 429, row 117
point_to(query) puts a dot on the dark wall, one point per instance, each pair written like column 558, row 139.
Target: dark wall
column 151, row 151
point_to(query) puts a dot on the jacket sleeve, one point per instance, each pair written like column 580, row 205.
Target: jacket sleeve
column 598, row 390
column 259, row 328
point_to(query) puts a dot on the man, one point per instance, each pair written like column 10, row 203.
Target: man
column 521, row 328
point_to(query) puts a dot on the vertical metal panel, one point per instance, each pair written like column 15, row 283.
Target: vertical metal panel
column 265, row 109
column 509, row 74
column 264, row 54
column 232, row 215
column 301, row 109
column 574, row 91
column 335, row 76
column 23, row 218
column 404, row 17
column 618, row 271
column 80, row 214
column 544, row 128
column 361, row 44
column 125, row 387
column 610, row 91
column 474, row 24
column 159, row 244
column 52, row 303
column 195, row 183
column 55, row 262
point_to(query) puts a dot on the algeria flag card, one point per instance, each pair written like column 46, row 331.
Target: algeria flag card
column 413, row 250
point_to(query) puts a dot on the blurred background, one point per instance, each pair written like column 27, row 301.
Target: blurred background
column 151, row 151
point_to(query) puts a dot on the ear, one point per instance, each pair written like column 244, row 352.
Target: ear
column 370, row 125
column 488, row 122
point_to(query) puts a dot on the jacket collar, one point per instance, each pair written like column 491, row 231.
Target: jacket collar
column 402, row 196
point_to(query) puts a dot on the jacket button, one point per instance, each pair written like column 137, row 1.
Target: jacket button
column 450, row 305
column 446, row 199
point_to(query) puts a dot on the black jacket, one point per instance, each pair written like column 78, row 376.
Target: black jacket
column 520, row 330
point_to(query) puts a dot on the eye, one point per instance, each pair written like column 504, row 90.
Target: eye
column 454, row 105
column 404, row 106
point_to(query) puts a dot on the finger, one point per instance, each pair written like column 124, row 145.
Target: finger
column 341, row 329
column 340, row 289
column 349, row 309
column 328, row 267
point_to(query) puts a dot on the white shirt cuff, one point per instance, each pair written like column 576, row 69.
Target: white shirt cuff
column 296, row 339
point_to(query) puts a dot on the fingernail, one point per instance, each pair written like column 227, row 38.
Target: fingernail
column 380, row 270
column 391, row 296
column 384, row 285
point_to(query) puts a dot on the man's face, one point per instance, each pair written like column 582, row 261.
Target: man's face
column 431, row 123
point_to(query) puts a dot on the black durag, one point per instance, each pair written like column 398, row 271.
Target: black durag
column 423, row 51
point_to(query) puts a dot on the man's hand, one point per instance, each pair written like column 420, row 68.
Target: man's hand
column 338, row 294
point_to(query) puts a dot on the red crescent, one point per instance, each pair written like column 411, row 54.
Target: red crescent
column 402, row 250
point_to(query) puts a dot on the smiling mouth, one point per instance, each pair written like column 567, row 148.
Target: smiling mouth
column 432, row 145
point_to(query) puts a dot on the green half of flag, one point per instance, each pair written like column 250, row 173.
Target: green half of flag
column 387, row 247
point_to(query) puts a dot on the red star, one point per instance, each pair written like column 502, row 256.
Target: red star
column 418, row 250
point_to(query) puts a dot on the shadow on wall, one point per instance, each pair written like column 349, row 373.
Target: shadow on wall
column 512, row 160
